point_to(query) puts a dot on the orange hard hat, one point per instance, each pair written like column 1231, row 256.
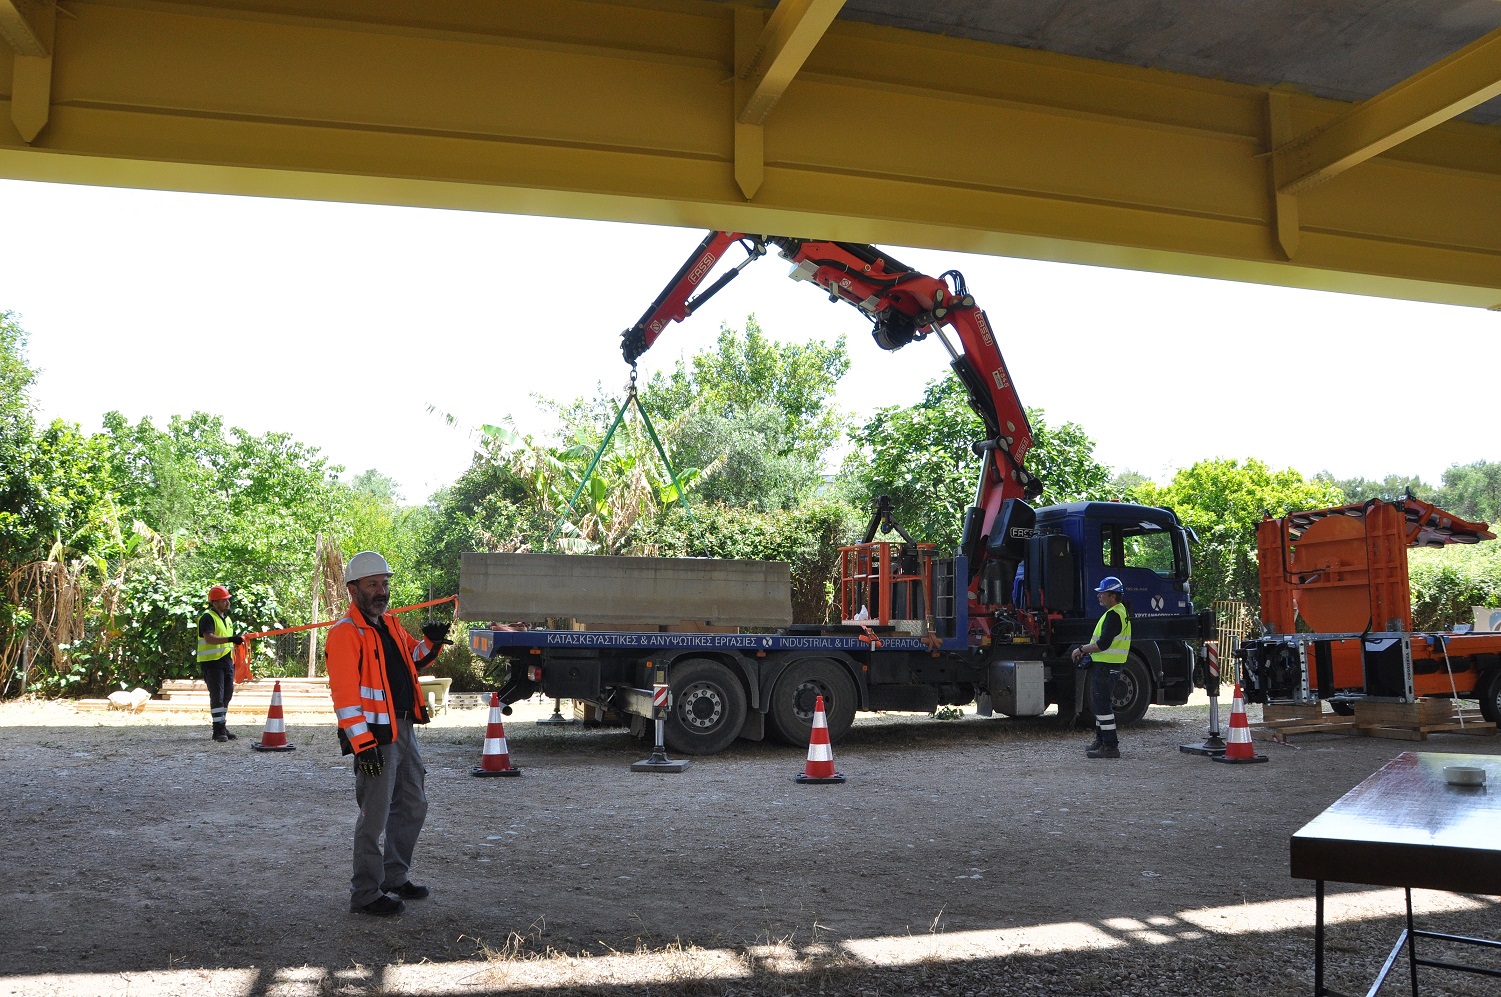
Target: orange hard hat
column 218, row 592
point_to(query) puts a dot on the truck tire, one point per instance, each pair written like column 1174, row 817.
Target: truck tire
column 1490, row 697
column 1133, row 691
column 797, row 691
column 708, row 707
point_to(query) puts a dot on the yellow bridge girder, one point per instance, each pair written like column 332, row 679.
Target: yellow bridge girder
column 711, row 115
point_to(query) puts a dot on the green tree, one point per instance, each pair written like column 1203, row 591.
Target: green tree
column 377, row 485
column 1393, row 486
column 1472, row 491
column 1126, row 483
column 751, row 384
column 373, row 518
column 807, row 537
column 1448, row 581
column 238, row 507
column 739, row 468
column 922, row 457
column 1063, row 457
column 53, row 481
column 16, row 375
column 1222, row 501
column 230, row 506
column 493, row 506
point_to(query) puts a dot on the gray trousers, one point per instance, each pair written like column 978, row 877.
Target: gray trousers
column 393, row 804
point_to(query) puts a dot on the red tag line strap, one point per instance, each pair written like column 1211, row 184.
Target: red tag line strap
column 329, row 623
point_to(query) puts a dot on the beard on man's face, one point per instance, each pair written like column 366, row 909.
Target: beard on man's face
column 372, row 604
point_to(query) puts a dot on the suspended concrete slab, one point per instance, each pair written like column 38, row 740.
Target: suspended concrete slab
column 602, row 591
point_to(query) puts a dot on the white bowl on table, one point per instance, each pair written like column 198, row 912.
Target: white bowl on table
column 1464, row 775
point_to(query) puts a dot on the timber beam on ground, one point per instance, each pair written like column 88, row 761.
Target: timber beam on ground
column 633, row 111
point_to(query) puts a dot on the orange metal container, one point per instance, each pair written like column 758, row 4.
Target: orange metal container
column 1344, row 570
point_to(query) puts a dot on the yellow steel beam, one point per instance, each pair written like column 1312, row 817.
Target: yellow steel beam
column 28, row 27
column 626, row 110
column 1448, row 88
column 20, row 26
column 766, row 60
column 750, row 136
column 1284, row 204
column 785, row 44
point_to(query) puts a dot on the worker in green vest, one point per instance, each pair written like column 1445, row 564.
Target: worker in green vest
column 216, row 640
column 1105, row 655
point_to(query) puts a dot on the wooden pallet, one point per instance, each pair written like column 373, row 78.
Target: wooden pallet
column 1280, row 720
column 1403, row 721
column 1415, row 721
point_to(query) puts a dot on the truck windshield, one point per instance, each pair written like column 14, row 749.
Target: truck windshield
column 1139, row 545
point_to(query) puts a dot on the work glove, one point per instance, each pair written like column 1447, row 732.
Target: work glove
column 436, row 632
column 237, row 639
column 369, row 762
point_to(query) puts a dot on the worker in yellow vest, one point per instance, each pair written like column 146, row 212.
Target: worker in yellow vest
column 1105, row 655
column 216, row 640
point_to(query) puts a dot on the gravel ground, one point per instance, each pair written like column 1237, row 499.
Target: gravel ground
column 967, row 857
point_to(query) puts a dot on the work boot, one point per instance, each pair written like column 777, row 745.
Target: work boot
column 381, row 906
column 229, row 735
column 411, row 891
column 1094, row 745
column 220, row 734
column 1104, row 751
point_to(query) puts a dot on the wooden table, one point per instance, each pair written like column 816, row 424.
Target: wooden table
column 1405, row 826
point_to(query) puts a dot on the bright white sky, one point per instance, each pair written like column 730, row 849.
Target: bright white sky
column 341, row 324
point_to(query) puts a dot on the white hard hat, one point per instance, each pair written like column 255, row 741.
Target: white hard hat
column 365, row 564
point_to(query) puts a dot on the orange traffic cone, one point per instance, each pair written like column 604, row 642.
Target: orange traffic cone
column 1238, row 750
column 496, row 758
column 820, row 767
column 275, row 737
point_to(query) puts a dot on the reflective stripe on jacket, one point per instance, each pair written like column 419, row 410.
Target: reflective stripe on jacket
column 1115, row 654
column 357, row 678
column 213, row 652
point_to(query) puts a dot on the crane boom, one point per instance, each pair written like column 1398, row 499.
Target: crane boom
column 903, row 305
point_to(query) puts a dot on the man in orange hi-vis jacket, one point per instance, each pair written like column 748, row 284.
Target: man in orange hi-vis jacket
column 372, row 676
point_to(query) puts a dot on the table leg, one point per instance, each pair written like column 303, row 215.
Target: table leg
column 1412, row 945
column 1318, row 939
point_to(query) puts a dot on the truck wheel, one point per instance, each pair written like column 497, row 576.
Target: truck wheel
column 796, row 693
column 1490, row 697
column 1133, row 692
column 708, row 707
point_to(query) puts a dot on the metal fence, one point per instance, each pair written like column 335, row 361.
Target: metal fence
column 284, row 656
column 1233, row 621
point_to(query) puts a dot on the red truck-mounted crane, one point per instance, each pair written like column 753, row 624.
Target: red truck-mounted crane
column 991, row 623
column 904, row 306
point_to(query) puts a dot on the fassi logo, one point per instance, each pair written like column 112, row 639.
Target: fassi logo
column 984, row 325
column 704, row 266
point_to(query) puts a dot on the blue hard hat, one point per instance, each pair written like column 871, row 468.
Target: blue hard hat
column 1110, row 583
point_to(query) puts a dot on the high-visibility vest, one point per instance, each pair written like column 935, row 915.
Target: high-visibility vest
column 357, row 678
column 213, row 652
column 1115, row 654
